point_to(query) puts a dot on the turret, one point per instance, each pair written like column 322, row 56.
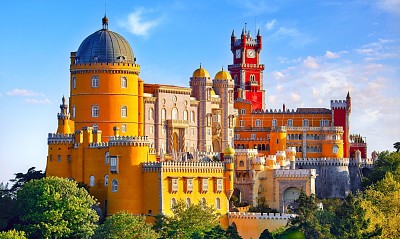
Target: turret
column 63, row 119
column 233, row 39
column 259, row 41
column 291, row 155
column 243, row 38
column 348, row 102
column 229, row 153
column 281, row 158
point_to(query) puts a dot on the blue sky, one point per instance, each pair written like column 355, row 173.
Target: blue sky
column 314, row 51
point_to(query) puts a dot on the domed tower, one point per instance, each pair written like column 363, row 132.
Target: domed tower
column 223, row 85
column 201, row 85
column 105, row 88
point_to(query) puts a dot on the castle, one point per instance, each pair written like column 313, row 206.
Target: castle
column 142, row 147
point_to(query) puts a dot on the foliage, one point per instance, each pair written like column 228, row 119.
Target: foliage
column 187, row 221
column 307, row 219
column 125, row 225
column 232, row 233
column 290, row 233
column 397, row 146
column 351, row 222
column 55, row 208
column 262, row 207
column 382, row 204
column 12, row 234
column 266, row 235
column 7, row 207
column 22, row 178
column 387, row 162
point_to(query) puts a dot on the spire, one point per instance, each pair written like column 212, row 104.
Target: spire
column 348, row 95
column 243, row 32
column 233, row 33
column 258, row 33
column 200, row 65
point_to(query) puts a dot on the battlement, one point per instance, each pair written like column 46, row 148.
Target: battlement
column 293, row 111
column 336, row 129
column 60, row 138
column 184, row 167
column 129, row 141
column 323, row 161
column 260, row 216
column 98, row 145
column 338, row 104
column 294, row 173
column 250, row 152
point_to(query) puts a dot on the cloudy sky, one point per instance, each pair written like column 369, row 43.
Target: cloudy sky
column 314, row 51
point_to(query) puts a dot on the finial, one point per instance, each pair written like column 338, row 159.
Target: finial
column 63, row 100
column 348, row 94
column 258, row 33
column 222, row 68
column 200, row 65
column 233, row 33
column 105, row 22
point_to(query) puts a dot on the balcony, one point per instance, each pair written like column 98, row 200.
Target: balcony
column 177, row 123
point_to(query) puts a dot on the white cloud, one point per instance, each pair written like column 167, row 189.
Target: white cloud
column 21, row 92
column 270, row 25
column 136, row 24
column 311, row 62
column 294, row 36
column 331, row 55
column 295, row 97
column 392, row 6
column 278, row 75
column 38, row 101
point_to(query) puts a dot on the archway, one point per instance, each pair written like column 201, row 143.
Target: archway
column 289, row 196
column 175, row 141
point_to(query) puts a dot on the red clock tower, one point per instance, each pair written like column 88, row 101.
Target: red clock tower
column 246, row 69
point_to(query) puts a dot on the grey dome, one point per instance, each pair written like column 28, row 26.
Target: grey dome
column 105, row 46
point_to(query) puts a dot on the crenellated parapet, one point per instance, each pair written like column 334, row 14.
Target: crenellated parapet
column 338, row 104
column 140, row 141
column 60, row 138
column 323, row 161
column 98, row 145
column 184, row 167
column 295, row 173
column 260, row 216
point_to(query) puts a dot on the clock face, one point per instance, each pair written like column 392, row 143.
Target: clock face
column 238, row 53
column 251, row 53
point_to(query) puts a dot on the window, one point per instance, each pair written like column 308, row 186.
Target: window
column 123, row 128
column 237, row 136
column 173, row 202
column 204, row 184
column 151, row 129
column 73, row 111
column 95, row 81
column 175, row 114
column 59, row 158
column 241, row 123
column 106, row 156
column 95, row 111
column 192, row 131
column 253, row 136
column 114, row 164
column 124, row 82
column 243, row 111
column 74, row 82
column 91, row 181
column 252, row 78
column 324, row 123
column 114, row 186
column 174, row 185
column 95, row 127
column 289, row 122
column 219, row 184
column 258, row 123
column 124, row 111
column 217, row 203
column 241, row 163
column 106, row 180
column 189, row 185
column 185, row 115
column 230, row 95
column 305, row 123
column 151, row 112
column 192, row 116
column 274, row 122
column 163, row 114
column 335, row 149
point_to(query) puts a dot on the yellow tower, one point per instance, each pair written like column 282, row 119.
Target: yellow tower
column 105, row 88
column 277, row 139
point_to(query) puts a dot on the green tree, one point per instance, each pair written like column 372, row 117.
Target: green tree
column 387, row 162
column 125, row 225
column 382, row 204
column 397, row 146
column 266, row 235
column 232, row 233
column 12, row 234
column 187, row 221
column 7, row 207
column 22, row 178
column 307, row 220
column 55, row 208
column 351, row 221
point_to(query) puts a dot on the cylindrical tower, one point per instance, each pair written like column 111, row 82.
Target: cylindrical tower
column 105, row 88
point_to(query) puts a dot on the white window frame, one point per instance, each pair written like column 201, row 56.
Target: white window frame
column 124, row 82
column 175, row 113
column 290, row 122
column 185, row 115
column 92, row 181
column 95, row 111
column 192, row 116
column 123, row 128
column 258, row 123
column 217, row 203
column 73, row 82
column 124, row 111
column 274, row 122
column 95, row 82
column 241, row 123
column 106, row 180
column 306, row 123
column 73, row 109
column 151, row 112
column 114, row 185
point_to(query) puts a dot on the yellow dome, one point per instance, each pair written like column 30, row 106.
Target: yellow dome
column 201, row 72
column 223, row 75
column 229, row 151
column 213, row 93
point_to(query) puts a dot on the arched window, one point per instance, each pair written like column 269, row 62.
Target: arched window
column 124, row 111
column 258, row 123
column 185, row 115
column 163, row 114
column 124, row 82
column 95, row 81
column 335, row 149
column 192, row 116
column 74, row 82
column 91, row 181
column 95, row 111
column 274, row 122
column 173, row 202
column 252, row 78
column 217, row 203
column 175, row 114
column 123, row 128
column 106, row 157
column 114, row 185
column 241, row 163
column 151, row 112
column 106, row 180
